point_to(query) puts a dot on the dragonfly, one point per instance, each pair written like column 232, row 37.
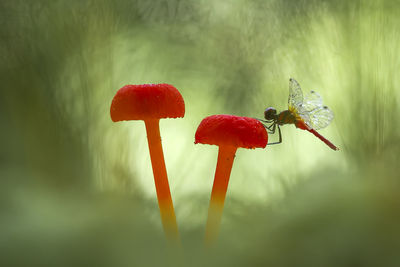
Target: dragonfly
column 306, row 113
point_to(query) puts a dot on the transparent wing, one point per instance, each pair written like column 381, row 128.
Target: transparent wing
column 295, row 94
column 321, row 117
column 318, row 115
column 304, row 114
column 312, row 100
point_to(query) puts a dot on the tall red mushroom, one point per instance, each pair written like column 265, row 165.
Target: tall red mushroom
column 150, row 103
column 229, row 133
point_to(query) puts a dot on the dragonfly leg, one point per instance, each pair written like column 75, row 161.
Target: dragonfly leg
column 272, row 128
column 280, row 136
column 265, row 121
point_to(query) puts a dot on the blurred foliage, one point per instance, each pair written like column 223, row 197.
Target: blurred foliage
column 77, row 189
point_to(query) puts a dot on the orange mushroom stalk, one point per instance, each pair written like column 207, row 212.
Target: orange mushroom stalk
column 229, row 133
column 150, row 103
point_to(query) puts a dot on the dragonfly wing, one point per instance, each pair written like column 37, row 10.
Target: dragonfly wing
column 295, row 94
column 312, row 101
column 304, row 114
column 320, row 117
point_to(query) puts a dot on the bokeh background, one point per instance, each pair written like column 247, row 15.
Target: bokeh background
column 77, row 189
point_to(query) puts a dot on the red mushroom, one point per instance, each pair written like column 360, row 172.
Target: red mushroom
column 228, row 132
column 150, row 103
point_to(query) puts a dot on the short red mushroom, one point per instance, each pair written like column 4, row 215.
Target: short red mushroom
column 150, row 103
column 229, row 133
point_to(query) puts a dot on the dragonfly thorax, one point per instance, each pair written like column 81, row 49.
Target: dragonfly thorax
column 286, row 117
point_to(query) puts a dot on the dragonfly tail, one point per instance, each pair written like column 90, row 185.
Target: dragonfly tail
column 323, row 139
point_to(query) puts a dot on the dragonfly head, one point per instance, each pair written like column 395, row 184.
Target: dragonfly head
column 270, row 113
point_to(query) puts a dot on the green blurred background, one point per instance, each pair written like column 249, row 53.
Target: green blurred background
column 77, row 189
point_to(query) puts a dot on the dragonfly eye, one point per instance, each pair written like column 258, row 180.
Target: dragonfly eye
column 270, row 113
column 312, row 92
column 325, row 107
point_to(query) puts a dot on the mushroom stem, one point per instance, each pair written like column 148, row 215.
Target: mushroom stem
column 161, row 180
column 226, row 155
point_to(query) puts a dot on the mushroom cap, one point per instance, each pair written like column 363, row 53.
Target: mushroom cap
column 147, row 101
column 230, row 130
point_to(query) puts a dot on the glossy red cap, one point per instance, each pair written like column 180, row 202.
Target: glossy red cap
column 229, row 130
column 147, row 101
